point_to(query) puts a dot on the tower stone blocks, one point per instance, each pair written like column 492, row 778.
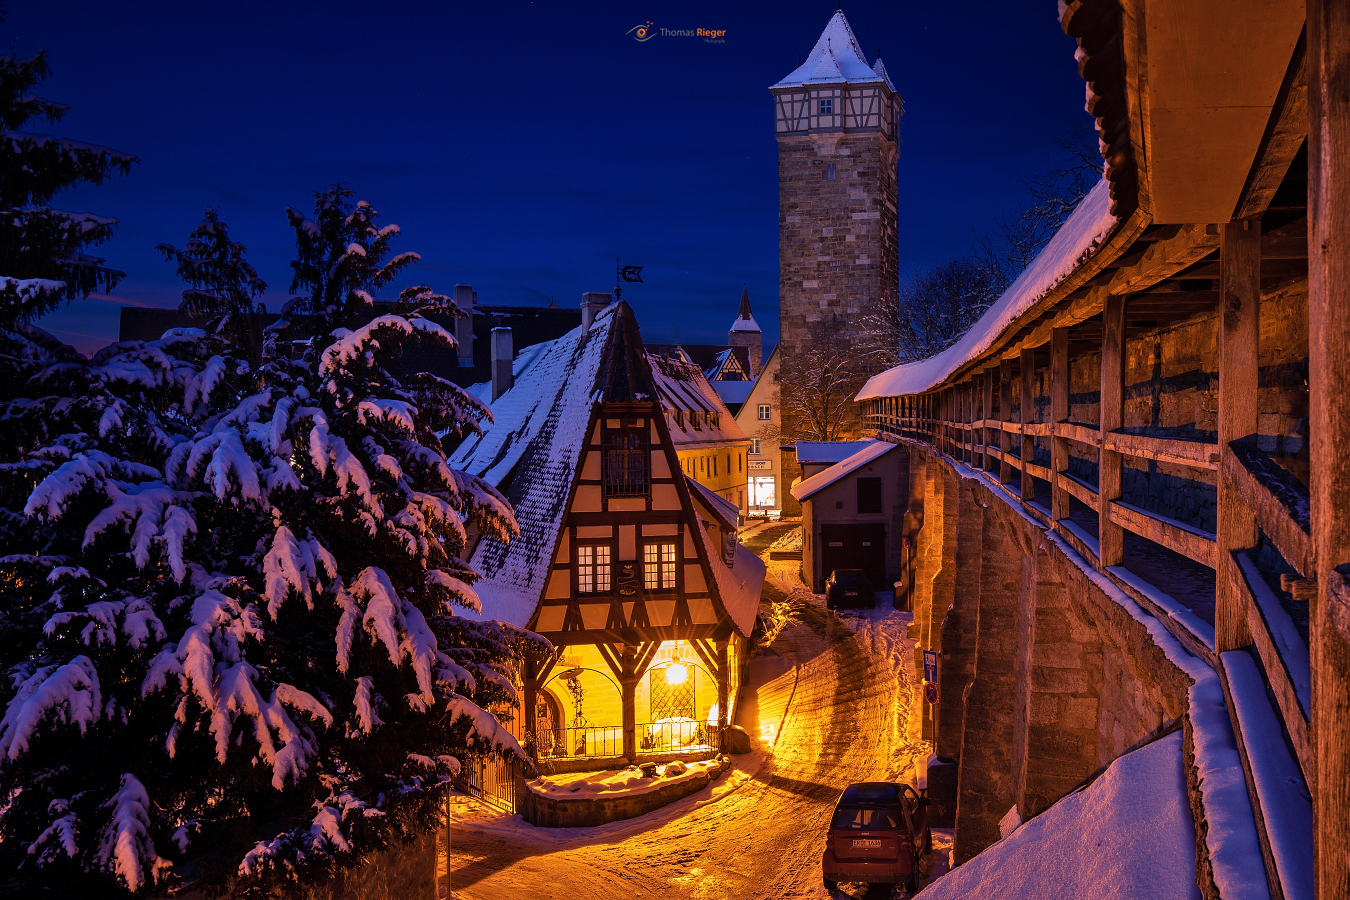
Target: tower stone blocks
column 837, row 124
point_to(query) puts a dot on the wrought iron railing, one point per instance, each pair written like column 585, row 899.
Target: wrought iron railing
column 606, row 741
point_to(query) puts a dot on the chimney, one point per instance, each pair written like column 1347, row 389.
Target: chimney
column 591, row 304
column 502, row 357
column 465, row 298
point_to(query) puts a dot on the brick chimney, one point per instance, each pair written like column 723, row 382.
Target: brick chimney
column 502, row 357
column 591, row 304
column 465, row 298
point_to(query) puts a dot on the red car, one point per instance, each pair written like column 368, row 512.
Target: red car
column 877, row 835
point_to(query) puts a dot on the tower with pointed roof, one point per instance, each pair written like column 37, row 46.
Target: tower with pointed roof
column 745, row 332
column 837, row 121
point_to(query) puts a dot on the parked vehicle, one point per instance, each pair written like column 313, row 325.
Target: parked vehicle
column 878, row 833
column 848, row 587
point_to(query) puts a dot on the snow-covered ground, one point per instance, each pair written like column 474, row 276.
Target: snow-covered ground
column 828, row 705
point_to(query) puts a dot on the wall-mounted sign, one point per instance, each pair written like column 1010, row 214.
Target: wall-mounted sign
column 759, row 464
column 930, row 666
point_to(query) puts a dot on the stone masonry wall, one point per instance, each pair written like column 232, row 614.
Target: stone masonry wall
column 838, row 250
column 1053, row 677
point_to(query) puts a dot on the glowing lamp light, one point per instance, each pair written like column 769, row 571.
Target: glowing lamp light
column 676, row 673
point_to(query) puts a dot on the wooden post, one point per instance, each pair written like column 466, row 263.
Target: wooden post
column 1110, row 465
column 723, row 687
column 987, row 415
column 1028, row 361
column 1059, row 412
column 529, row 699
column 629, row 688
column 1329, row 427
column 1004, row 415
column 1239, row 347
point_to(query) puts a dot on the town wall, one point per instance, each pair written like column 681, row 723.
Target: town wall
column 1044, row 679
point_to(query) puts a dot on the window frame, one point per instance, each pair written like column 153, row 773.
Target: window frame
column 637, row 459
column 880, row 496
column 825, row 107
column 611, row 551
column 765, row 412
column 754, row 447
column 665, row 542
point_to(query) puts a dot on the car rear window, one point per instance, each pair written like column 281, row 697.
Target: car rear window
column 848, row 579
column 865, row 818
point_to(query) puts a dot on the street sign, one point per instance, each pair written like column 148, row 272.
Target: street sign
column 930, row 666
column 930, row 692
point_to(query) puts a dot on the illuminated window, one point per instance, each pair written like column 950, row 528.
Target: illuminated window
column 658, row 567
column 593, row 568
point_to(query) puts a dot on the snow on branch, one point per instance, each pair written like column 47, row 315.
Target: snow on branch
column 66, row 694
column 125, row 847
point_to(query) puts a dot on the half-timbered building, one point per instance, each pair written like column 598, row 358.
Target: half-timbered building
column 627, row 565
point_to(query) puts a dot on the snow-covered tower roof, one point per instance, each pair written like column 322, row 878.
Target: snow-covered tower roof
column 836, row 57
column 745, row 321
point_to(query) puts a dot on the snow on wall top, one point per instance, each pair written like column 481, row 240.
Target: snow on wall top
column 536, row 440
column 723, row 509
column 836, row 57
column 683, row 386
column 1076, row 239
column 1128, row 834
column 821, row 480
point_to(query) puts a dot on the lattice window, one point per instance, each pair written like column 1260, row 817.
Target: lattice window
column 658, row 567
column 672, row 701
column 626, row 465
column 594, row 570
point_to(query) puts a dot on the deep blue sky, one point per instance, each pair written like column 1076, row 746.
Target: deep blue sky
column 521, row 145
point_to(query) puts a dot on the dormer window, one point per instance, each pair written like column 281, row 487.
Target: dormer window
column 827, row 107
column 679, row 418
column 693, row 419
column 625, row 468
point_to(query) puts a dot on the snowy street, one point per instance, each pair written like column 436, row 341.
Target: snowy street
column 839, row 684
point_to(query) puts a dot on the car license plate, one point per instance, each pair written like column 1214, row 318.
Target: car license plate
column 867, row 842
column 850, row 593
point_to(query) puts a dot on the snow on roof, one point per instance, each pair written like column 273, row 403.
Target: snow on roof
column 880, row 68
column 1128, row 834
column 740, row 585
column 1076, row 239
column 683, row 386
column 733, row 391
column 526, row 358
column 538, row 433
column 870, row 453
column 725, row 510
column 745, row 325
column 836, row 57
column 828, row 451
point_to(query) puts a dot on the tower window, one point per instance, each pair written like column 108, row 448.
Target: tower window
column 830, row 172
column 827, row 107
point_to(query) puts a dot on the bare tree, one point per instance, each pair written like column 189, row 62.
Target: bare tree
column 939, row 305
column 1051, row 197
column 818, row 382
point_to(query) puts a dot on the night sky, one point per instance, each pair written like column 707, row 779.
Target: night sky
column 522, row 145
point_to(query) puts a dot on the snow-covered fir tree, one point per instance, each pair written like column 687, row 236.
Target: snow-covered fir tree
column 42, row 249
column 228, row 604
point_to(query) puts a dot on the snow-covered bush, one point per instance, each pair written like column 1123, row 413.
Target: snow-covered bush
column 227, row 608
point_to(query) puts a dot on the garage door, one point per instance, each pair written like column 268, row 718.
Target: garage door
column 854, row 547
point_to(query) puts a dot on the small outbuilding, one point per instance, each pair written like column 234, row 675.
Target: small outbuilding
column 853, row 514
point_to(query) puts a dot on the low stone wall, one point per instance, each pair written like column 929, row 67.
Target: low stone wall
column 549, row 813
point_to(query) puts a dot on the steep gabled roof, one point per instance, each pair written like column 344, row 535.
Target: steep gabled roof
column 835, row 58
column 745, row 320
column 536, row 441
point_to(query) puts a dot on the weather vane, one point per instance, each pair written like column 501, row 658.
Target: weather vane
column 622, row 274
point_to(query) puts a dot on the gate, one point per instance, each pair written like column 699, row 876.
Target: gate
column 491, row 780
column 854, row 547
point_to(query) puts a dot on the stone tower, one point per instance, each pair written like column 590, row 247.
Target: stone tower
column 744, row 332
column 837, row 122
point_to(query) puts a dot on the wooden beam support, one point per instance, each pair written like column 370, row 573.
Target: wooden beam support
column 1277, row 500
column 987, row 381
column 1329, row 430
column 1239, row 354
column 1110, row 462
column 1059, row 412
column 1189, row 542
column 1028, row 407
column 1005, row 419
column 1196, row 454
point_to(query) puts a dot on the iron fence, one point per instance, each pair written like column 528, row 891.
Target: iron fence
column 492, row 780
column 606, row 741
